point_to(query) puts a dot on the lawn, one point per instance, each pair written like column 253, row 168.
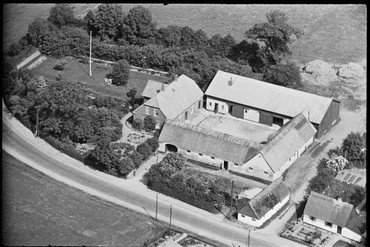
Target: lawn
column 38, row 210
column 78, row 71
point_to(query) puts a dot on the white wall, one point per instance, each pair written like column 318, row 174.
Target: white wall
column 268, row 215
column 259, row 166
column 251, row 115
column 320, row 223
column 202, row 158
column 351, row 235
column 222, row 106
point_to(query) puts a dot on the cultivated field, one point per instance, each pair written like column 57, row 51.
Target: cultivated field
column 38, row 210
column 334, row 33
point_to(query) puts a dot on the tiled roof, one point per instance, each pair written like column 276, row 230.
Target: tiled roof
column 287, row 141
column 178, row 96
column 356, row 223
column 263, row 202
column 152, row 88
column 267, row 96
column 328, row 209
column 208, row 142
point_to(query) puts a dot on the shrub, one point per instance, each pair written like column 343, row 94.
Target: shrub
column 14, row 50
column 60, row 64
column 145, row 150
column 68, row 149
column 136, row 158
column 125, row 166
column 149, row 123
column 153, row 143
column 137, row 124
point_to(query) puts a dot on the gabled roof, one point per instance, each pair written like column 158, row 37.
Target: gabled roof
column 267, row 96
column 176, row 97
column 152, row 88
column 286, row 142
column 263, row 202
column 328, row 209
column 209, row 142
column 356, row 223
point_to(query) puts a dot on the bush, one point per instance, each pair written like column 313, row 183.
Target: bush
column 136, row 158
column 120, row 73
column 60, row 64
column 14, row 50
column 145, row 150
column 125, row 166
column 153, row 143
column 149, row 123
column 65, row 148
column 137, row 124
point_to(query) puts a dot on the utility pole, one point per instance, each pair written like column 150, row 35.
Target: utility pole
column 231, row 197
column 156, row 207
column 90, row 52
column 170, row 217
column 37, row 120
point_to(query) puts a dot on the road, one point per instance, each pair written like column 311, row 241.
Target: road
column 129, row 193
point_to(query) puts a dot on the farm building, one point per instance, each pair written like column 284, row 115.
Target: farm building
column 264, row 205
column 179, row 100
column 262, row 161
column 267, row 103
column 151, row 89
column 334, row 216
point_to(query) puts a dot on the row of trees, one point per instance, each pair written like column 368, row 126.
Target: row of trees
column 135, row 38
column 167, row 177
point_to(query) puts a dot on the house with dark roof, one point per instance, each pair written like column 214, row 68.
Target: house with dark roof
column 267, row 103
column 335, row 216
column 264, row 205
column 151, row 89
column 177, row 101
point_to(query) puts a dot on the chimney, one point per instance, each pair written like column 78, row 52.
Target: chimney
column 162, row 87
column 175, row 78
column 230, row 82
column 339, row 199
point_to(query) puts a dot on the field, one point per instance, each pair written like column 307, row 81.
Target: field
column 76, row 71
column 334, row 33
column 38, row 210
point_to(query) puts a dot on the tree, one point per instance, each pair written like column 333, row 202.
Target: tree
column 286, row 75
column 107, row 21
column 222, row 45
column 125, row 166
column 336, row 162
column 175, row 160
column 136, row 158
column 120, row 73
column 149, row 123
column 145, row 150
column 62, row 14
column 274, row 37
column 352, row 146
column 138, row 27
column 14, row 49
column 39, row 29
column 132, row 94
column 153, row 143
column 169, row 36
column 89, row 22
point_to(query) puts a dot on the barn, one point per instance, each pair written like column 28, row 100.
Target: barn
column 269, row 104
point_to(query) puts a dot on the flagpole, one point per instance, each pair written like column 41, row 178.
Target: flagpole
column 90, row 52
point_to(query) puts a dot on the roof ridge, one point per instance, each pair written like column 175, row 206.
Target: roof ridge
column 214, row 133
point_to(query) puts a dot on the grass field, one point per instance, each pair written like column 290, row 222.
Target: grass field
column 334, row 33
column 37, row 210
column 77, row 71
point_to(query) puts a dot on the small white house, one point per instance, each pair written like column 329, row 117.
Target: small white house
column 334, row 216
column 264, row 205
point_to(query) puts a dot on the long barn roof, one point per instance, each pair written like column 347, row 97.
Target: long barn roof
column 267, row 96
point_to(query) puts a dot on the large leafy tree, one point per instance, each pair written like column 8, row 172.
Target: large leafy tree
column 286, row 75
column 352, row 147
column 274, row 37
column 107, row 21
column 62, row 14
column 120, row 73
column 39, row 29
column 170, row 35
column 138, row 27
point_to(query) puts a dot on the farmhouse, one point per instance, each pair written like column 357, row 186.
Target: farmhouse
column 264, row 205
column 151, row 89
column 267, row 103
column 241, row 156
column 179, row 100
column 334, row 215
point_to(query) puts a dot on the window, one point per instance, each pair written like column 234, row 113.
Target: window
column 223, row 107
column 250, row 168
column 188, row 151
column 245, row 110
column 147, row 110
column 328, row 224
column 210, row 103
column 312, row 218
column 199, row 104
column 200, row 154
column 155, row 112
column 265, row 172
column 213, row 158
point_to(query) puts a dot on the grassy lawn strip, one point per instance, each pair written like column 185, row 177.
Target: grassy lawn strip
column 78, row 71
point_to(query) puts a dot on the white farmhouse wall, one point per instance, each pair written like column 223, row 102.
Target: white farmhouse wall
column 347, row 233
column 268, row 215
column 162, row 147
column 320, row 223
column 251, row 115
column 222, row 106
column 202, row 158
column 256, row 167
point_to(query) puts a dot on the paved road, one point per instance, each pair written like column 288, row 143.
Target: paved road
column 132, row 195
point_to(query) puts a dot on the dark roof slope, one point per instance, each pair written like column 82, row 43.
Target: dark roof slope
column 208, row 142
column 265, row 200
